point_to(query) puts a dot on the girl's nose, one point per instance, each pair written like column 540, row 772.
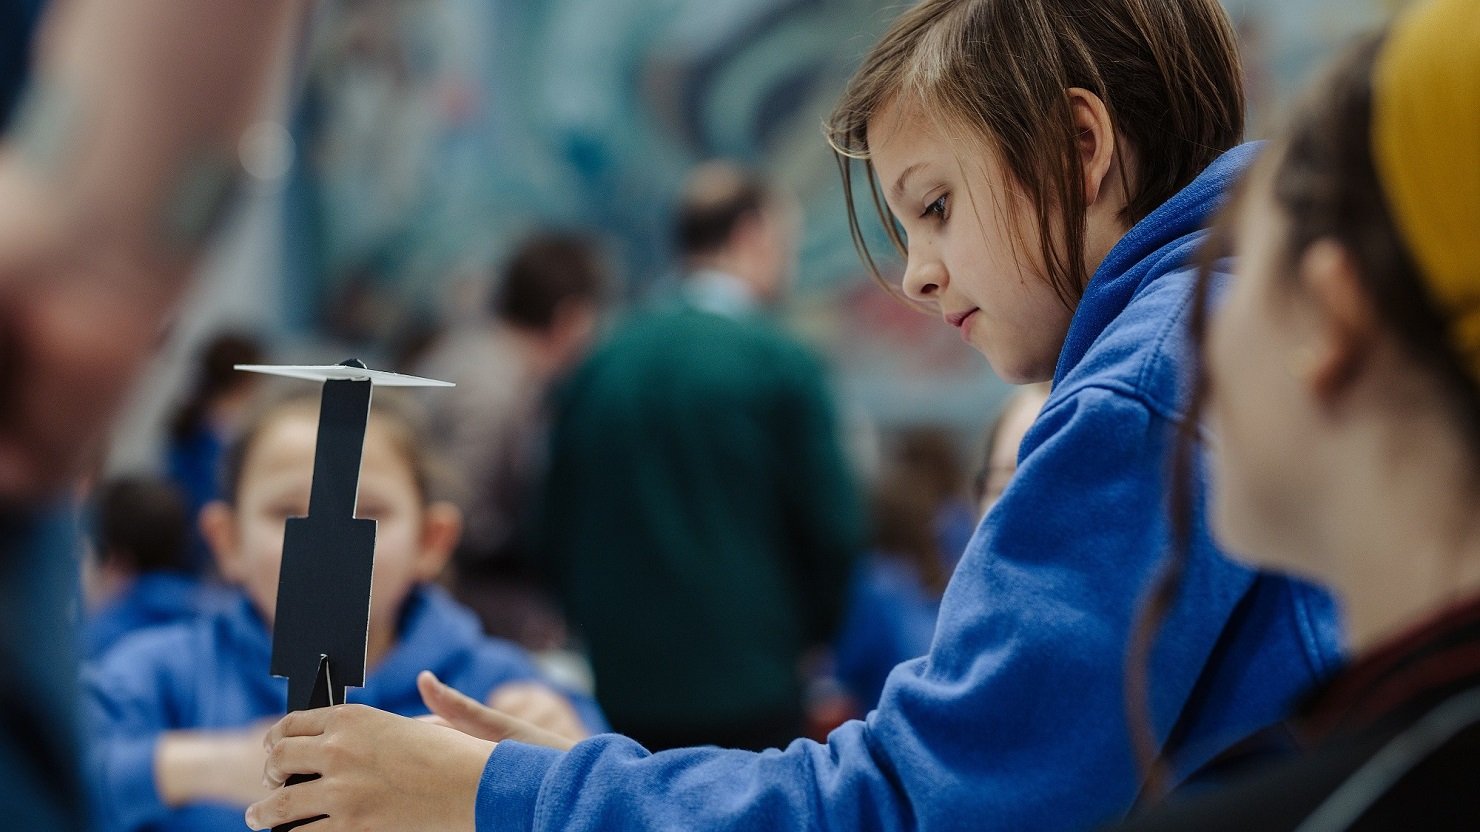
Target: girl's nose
column 924, row 279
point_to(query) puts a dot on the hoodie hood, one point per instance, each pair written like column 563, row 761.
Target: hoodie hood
column 435, row 634
column 1166, row 241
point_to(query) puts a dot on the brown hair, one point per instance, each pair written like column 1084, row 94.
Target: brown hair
column 546, row 271
column 715, row 198
column 216, row 375
column 393, row 412
column 1325, row 186
column 1167, row 71
column 922, row 476
column 142, row 523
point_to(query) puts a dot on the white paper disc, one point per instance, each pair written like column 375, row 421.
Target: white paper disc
column 333, row 372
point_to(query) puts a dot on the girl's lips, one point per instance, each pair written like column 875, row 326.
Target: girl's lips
column 959, row 319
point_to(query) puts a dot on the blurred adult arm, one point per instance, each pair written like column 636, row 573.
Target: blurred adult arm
column 114, row 172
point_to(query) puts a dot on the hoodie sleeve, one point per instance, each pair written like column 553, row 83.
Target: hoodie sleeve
column 1015, row 719
column 128, row 697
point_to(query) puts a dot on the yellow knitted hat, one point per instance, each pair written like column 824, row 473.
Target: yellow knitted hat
column 1426, row 147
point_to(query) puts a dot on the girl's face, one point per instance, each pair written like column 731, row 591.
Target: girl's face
column 974, row 256
column 1264, row 421
column 412, row 540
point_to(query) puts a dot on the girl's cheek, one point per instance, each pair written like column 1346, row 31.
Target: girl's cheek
column 396, row 541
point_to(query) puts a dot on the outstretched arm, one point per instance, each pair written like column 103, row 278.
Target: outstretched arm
column 112, row 176
column 1014, row 721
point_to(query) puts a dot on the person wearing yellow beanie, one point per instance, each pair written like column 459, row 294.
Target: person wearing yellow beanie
column 1342, row 380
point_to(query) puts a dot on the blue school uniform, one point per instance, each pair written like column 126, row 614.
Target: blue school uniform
column 1016, row 718
column 154, row 599
column 213, row 674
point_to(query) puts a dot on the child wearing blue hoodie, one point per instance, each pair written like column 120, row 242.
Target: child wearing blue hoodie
column 178, row 712
column 1048, row 168
column 136, row 573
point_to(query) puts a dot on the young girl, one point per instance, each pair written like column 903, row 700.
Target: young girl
column 178, row 712
column 1052, row 164
column 1344, row 380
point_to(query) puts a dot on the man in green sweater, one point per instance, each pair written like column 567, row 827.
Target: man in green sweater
column 699, row 518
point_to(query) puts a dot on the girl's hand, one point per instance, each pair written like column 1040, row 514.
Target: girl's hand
column 214, row 766
column 457, row 710
column 377, row 771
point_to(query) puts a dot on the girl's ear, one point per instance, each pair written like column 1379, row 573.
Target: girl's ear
column 441, row 529
column 1095, row 138
column 1343, row 324
column 217, row 524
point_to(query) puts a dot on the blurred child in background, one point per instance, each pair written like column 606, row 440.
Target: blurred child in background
column 917, row 507
column 203, row 425
column 894, row 597
column 1004, row 439
column 177, row 713
column 137, row 574
column 543, row 313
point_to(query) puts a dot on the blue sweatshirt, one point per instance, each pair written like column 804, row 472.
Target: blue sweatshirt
column 213, row 674
column 1016, row 718
column 154, row 599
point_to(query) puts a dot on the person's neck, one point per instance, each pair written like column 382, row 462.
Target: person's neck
column 1105, row 225
column 536, row 348
column 1101, row 235
column 731, row 265
column 723, row 293
column 1405, row 542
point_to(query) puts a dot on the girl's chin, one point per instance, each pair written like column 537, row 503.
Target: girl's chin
column 1013, row 369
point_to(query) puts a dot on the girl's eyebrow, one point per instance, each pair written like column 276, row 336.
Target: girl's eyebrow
column 898, row 189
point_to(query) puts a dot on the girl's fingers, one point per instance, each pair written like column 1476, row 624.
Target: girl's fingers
column 475, row 719
column 298, row 724
column 290, row 756
column 458, row 709
column 290, row 803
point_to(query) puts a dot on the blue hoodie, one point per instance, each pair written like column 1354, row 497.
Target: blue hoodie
column 213, row 674
column 154, row 599
column 1016, row 718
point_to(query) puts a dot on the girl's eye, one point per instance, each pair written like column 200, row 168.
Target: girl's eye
column 936, row 209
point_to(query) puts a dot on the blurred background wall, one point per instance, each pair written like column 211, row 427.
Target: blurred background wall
column 428, row 135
